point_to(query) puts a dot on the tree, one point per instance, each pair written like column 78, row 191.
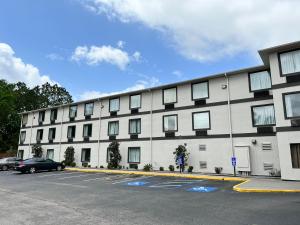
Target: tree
column 37, row 151
column 69, row 156
column 114, row 155
column 181, row 149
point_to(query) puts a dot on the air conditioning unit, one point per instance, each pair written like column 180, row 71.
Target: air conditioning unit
column 268, row 166
column 202, row 147
column 203, row 164
column 266, row 146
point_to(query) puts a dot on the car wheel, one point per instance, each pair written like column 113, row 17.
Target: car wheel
column 58, row 168
column 32, row 170
column 4, row 168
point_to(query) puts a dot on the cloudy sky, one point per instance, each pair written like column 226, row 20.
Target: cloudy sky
column 98, row 47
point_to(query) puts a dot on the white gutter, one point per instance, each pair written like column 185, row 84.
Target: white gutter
column 61, row 126
column 101, row 107
column 32, row 118
column 151, row 128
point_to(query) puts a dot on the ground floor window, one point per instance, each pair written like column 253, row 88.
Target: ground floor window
column 50, row 154
column 20, row 154
column 134, row 155
column 86, row 155
column 295, row 155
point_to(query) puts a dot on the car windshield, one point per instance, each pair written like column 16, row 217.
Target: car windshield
column 2, row 160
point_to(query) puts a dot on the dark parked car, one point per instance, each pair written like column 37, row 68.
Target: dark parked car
column 38, row 164
column 8, row 163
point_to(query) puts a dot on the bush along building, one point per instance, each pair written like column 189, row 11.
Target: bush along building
column 252, row 114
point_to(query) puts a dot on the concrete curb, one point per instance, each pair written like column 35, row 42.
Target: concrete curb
column 206, row 177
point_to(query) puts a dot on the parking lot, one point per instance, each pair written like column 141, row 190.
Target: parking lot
column 97, row 198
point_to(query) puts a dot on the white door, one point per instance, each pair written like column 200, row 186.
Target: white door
column 242, row 154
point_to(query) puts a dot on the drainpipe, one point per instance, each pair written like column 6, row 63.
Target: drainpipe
column 101, row 107
column 61, row 126
column 230, row 120
column 32, row 118
column 151, row 116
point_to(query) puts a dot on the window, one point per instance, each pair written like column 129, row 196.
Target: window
column 113, row 128
column 71, row 132
column 135, row 126
column 134, row 155
column 290, row 62
column 50, row 154
column 170, row 95
column 20, row 154
column 24, row 119
column 200, row 90
column 295, row 155
column 135, row 101
column 51, row 135
column 88, row 109
column 22, row 137
column 87, row 130
column 73, row 111
column 263, row 115
column 53, row 115
column 170, row 123
column 86, row 155
column 260, row 81
column 201, row 121
column 41, row 116
column 292, row 105
column 39, row 135
column 114, row 104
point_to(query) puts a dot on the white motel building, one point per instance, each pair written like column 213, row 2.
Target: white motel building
column 252, row 114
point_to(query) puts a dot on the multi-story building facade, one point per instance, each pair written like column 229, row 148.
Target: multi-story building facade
column 252, row 114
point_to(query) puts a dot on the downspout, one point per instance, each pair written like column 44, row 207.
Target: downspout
column 61, row 126
column 32, row 118
column 230, row 120
column 151, row 116
column 101, row 107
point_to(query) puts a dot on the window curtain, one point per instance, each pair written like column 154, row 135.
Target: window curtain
column 170, row 95
column 73, row 110
column 135, row 101
column 201, row 120
column 50, row 154
column 85, row 155
column 134, row 155
column 170, row 123
column 135, row 126
column 85, row 131
column 24, row 119
column 89, row 109
column 200, row 90
column 260, row 80
column 39, row 135
column 51, row 134
column 113, row 128
column 295, row 155
column 23, row 136
column 264, row 115
column 113, row 105
column 41, row 116
column 70, row 133
column 292, row 105
column 290, row 62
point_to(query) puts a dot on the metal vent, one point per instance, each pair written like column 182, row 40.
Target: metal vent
column 266, row 146
column 268, row 166
column 203, row 164
column 202, row 147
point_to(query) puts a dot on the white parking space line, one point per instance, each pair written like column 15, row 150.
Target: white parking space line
column 57, row 174
column 66, row 184
column 179, row 182
column 69, row 177
column 165, row 186
column 97, row 178
column 131, row 179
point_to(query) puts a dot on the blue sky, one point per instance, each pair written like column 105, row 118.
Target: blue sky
column 160, row 42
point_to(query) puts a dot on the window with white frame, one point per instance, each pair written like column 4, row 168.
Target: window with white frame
column 200, row 90
column 87, row 130
column 24, row 119
column 290, row 62
column 201, row 121
column 50, row 154
column 170, row 123
column 86, row 155
column 134, row 155
column 114, row 105
column 73, row 111
column 71, row 132
column 39, row 135
column 41, row 116
column 263, row 115
column 113, row 128
column 292, row 105
column 135, row 101
column 135, row 126
column 51, row 135
column 22, row 136
column 170, row 95
column 88, row 109
column 53, row 115
column 260, row 81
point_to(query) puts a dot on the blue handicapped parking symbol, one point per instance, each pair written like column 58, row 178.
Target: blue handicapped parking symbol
column 202, row 189
column 137, row 183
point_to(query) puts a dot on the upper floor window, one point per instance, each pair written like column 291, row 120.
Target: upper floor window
column 22, row 137
column 200, row 90
column 292, row 105
column 53, row 115
column 170, row 95
column 88, row 109
column 113, row 128
column 41, row 116
column 51, row 135
column 73, row 111
column 135, row 126
column 114, row 105
column 71, row 132
column 260, row 81
column 170, row 123
column 24, row 119
column 135, row 101
column 290, row 62
column 87, row 130
column 39, row 135
column 263, row 115
column 201, row 121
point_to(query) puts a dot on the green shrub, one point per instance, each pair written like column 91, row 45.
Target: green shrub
column 147, row 167
column 171, row 168
column 85, row 164
column 73, row 164
column 69, row 156
column 161, row 168
column 114, row 155
column 101, row 167
column 190, row 169
column 119, row 167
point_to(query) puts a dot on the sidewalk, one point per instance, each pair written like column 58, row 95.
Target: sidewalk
column 249, row 184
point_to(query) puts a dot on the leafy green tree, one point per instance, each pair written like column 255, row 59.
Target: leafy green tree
column 69, row 156
column 37, row 151
column 114, row 155
column 181, row 149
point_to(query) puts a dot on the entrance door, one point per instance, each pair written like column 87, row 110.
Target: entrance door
column 242, row 154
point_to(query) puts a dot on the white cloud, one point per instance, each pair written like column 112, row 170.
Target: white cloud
column 139, row 85
column 210, row 29
column 177, row 73
column 13, row 69
column 54, row 57
column 121, row 44
column 136, row 56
